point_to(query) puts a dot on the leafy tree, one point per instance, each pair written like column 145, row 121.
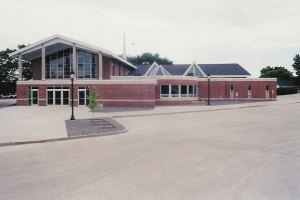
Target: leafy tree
column 149, row 58
column 9, row 71
column 296, row 64
column 93, row 101
column 276, row 72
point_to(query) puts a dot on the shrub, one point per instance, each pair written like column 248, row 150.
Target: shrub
column 289, row 90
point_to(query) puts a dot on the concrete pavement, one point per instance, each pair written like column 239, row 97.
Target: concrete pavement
column 249, row 153
column 36, row 123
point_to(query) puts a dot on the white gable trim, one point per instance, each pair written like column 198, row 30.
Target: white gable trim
column 196, row 65
column 65, row 40
column 150, row 68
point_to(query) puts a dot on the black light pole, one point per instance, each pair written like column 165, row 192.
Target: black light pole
column 72, row 81
column 208, row 89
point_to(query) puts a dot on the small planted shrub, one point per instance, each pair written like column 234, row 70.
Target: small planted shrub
column 93, row 101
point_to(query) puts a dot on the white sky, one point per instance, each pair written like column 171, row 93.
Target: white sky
column 253, row 33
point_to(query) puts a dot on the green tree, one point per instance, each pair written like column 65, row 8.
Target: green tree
column 9, row 71
column 296, row 64
column 276, row 72
column 93, row 101
column 149, row 58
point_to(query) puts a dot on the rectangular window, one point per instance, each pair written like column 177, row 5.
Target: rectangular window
column 184, row 90
column 191, row 91
column 174, row 90
column 58, row 65
column 164, row 90
column 87, row 65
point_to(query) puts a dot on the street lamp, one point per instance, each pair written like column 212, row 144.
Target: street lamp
column 208, row 89
column 72, row 74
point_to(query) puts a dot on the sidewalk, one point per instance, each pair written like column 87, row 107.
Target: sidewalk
column 22, row 123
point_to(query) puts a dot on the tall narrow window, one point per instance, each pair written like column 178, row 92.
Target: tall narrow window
column 231, row 89
column 191, row 91
column 267, row 89
column 249, row 89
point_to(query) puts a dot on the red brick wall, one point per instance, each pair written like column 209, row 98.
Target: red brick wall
column 135, row 95
column 37, row 69
column 148, row 95
column 22, row 98
column 106, row 67
column 221, row 89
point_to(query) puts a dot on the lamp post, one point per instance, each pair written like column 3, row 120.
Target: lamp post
column 208, row 89
column 72, row 74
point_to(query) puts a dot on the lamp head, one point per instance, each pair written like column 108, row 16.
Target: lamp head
column 72, row 74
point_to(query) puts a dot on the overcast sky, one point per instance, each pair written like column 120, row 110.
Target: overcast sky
column 253, row 33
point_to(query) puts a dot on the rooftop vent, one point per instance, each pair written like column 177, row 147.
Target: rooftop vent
column 145, row 63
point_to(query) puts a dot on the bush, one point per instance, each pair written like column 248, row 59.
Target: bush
column 289, row 90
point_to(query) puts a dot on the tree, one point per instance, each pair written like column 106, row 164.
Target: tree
column 93, row 101
column 9, row 71
column 149, row 58
column 276, row 72
column 296, row 64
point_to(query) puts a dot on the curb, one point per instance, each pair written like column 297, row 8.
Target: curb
column 61, row 139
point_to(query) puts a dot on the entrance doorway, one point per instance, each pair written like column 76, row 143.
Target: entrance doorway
column 34, row 97
column 83, row 95
column 58, row 95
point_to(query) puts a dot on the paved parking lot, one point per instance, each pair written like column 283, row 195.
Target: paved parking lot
column 247, row 153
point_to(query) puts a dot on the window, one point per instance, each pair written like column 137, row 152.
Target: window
column 184, row 90
column 249, row 89
column 174, row 90
column 58, row 95
column 267, row 89
column 194, row 71
column 164, row 90
column 58, row 65
column 87, row 65
column 231, row 89
column 83, row 95
column 181, row 91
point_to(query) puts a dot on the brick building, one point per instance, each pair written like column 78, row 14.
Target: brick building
column 119, row 83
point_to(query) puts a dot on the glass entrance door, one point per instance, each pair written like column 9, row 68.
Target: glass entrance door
column 34, row 97
column 57, row 96
column 82, row 98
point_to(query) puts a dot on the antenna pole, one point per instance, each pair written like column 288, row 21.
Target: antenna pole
column 124, row 47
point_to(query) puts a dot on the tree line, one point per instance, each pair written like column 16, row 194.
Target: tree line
column 9, row 71
column 282, row 72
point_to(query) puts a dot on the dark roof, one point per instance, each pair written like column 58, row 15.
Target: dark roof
column 231, row 69
column 139, row 71
column 177, row 69
column 224, row 69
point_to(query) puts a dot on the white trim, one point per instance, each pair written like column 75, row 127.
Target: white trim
column 196, row 65
column 150, row 68
column 79, row 82
column 62, row 39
